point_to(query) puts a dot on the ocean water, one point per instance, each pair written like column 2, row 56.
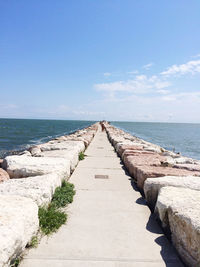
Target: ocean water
column 18, row 134
column 181, row 137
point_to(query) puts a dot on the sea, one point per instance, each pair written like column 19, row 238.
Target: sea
column 179, row 137
column 19, row 134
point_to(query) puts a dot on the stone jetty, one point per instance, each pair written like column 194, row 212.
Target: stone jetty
column 171, row 186
column 109, row 221
column 28, row 181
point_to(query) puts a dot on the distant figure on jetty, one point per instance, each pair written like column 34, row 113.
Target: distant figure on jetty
column 102, row 126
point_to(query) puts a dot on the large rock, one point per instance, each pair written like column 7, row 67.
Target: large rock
column 121, row 147
column 23, row 166
column 69, row 150
column 153, row 148
column 190, row 167
column 65, row 145
column 18, row 223
column 35, row 151
column 152, row 186
column 3, row 175
column 145, row 171
column 71, row 155
column 179, row 209
column 132, row 162
column 39, row 188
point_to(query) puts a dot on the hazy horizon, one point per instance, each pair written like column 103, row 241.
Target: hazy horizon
column 98, row 120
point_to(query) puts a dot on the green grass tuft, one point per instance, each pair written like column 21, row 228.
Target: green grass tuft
column 63, row 195
column 15, row 262
column 81, row 156
column 34, row 242
column 51, row 219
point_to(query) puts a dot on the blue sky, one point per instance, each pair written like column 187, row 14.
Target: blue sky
column 108, row 59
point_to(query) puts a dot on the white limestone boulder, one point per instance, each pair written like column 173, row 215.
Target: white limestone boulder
column 190, row 167
column 68, row 150
column 71, row 155
column 25, row 153
column 18, row 223
column 184, row 160
column 152, row 148
column 68, row 145
column 152, row 186
column 170, row 154
column 38, row 188
column 180, row 207
column 35, row 150
column 24, row 166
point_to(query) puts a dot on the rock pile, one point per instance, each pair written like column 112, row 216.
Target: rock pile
column 29, row 180
column 171, row 184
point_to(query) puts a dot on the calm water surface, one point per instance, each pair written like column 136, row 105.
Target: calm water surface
column 183, row 137
column 18, row 134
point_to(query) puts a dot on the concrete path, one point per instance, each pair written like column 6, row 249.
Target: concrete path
column 108, row 225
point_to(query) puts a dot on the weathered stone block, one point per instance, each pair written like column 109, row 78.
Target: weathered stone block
column 178, row 208
column 152, row 186
column 23, row 166
column 38, row 188
column 18, row 223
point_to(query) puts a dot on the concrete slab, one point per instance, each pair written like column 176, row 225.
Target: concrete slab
column 109, row 223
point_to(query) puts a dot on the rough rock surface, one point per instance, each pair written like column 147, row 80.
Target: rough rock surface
column 18, row 223
column 35, row 150
column 68, row 149
column 68, row 145
column 122, row 147
column 145, row 171
column 70, row 155
column 190, row 167
column 39, row 188
column 24, row 166
column 3, row 175
column 179, row 209
column 152, row 186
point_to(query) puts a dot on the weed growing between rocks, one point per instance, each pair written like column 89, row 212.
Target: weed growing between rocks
column 33, row 243
column 63, row 195
column 15, row 262
column 51, row 217
column 81, row 156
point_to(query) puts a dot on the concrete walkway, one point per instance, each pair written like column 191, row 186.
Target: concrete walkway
column 108, row 225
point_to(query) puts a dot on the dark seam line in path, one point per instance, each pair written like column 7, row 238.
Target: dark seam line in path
column 104, row 259
column 91, row 168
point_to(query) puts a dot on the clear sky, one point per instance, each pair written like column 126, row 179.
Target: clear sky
column 132, row 60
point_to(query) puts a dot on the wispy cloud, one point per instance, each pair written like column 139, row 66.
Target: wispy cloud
column 196, row 56
column 140, row 85
column 182, row 96
column 8, row 106
column 191, row 67
column 133, row 72
column 148, row 66
column 107, row 74
column 163, row 91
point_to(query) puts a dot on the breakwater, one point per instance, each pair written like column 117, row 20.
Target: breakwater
column 28, row 181
column 171, row 186
column 169, row 182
